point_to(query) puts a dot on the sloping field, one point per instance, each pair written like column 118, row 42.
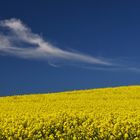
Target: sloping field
column 108, row 113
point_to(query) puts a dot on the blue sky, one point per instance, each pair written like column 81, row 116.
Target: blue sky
column 52, row 45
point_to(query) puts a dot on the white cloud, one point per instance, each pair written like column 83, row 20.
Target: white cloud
column 17, row 34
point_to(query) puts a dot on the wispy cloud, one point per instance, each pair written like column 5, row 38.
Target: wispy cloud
column 18, row 40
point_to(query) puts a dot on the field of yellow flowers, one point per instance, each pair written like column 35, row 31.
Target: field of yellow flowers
column 97, row 114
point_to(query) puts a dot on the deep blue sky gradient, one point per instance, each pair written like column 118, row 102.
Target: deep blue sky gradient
column 110, row 29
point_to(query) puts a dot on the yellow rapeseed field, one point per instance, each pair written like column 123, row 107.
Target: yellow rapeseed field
column 97, row 114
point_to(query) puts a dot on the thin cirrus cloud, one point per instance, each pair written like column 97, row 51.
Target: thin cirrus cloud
column 15, row 36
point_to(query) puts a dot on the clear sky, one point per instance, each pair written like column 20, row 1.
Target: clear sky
column 58, row 45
